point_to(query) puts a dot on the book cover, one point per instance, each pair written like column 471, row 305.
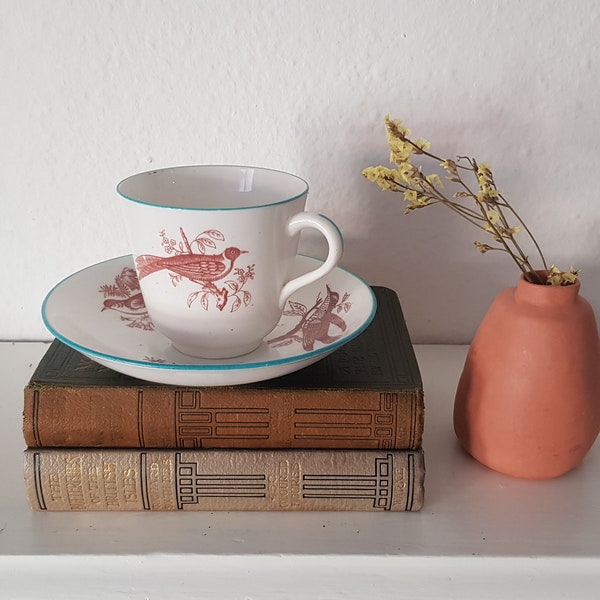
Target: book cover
column 213, row 480
column 367, row 394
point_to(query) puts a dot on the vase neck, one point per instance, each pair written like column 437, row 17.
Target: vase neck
column 546, row 295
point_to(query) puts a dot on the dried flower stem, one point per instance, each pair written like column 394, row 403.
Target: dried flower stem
column 491, row 206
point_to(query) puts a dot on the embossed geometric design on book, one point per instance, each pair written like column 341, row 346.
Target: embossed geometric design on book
column 379, row 485
column 196, row 423
column 191, row 485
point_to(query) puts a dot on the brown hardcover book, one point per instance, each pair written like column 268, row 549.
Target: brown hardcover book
column 366, row 394
column 212, row 480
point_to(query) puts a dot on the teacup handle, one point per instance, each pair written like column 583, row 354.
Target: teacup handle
column 329, row 229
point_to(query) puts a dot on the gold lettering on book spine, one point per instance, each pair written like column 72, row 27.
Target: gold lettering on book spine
column 74, row 483
column 93, row 479
column 109, row 478
column 157, row 481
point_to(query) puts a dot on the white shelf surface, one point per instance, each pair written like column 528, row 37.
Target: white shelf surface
column 481, row 535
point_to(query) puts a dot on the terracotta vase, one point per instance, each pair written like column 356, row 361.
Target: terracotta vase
column 528, row 400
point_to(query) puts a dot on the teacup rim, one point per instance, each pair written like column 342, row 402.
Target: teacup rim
column 301, row 194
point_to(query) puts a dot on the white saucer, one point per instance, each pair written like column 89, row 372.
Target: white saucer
column 99, row 312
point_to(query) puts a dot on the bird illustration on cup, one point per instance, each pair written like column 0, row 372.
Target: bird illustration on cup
column 191, row 260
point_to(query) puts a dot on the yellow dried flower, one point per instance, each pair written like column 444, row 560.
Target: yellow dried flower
column 434, row 180
column 410, row 196
column 558, row 277
column 371, row 173
column 384, row 177
column 451, row 168
column 395, row 128
column 484, row 173
column 407, row 171
column 483, row 248
column 493, row 216
column 488, row 194
column 421, row 144
column 400, row 151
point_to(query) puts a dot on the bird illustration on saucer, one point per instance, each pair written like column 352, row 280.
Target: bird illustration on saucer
column 192, row 260
column 315, row 322
column 124, row 296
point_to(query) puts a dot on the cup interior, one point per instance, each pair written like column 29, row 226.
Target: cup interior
column 212, row 187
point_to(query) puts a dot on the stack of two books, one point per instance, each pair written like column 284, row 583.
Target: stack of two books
column 342, row 434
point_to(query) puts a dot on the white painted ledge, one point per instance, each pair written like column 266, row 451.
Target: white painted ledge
column 481, row 535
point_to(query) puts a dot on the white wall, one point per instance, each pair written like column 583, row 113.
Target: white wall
column 94, row 90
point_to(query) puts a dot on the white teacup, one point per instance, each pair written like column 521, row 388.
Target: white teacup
column 214, row 248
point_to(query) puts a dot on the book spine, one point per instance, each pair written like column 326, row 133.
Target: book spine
column 215, row 480
column 163, row 417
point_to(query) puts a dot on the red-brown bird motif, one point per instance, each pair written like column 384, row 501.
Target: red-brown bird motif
column 199, row 268
column 124, row 296
column 133, row 303
column 316, row 327
column 315, row 322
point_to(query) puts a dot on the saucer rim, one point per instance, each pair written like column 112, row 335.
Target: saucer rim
column 209, row 364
